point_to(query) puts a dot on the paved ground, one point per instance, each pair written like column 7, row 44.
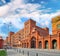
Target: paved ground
column 41, row 52
column 32, row 52
column 12, row 52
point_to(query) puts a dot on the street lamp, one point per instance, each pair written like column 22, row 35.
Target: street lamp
column 0, row 29
column 8, row 26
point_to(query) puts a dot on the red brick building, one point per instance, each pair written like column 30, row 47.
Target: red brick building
column 32, row 36
column 9, row 39
column 1, row 42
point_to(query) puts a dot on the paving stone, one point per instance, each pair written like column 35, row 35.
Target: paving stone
column 32, row 52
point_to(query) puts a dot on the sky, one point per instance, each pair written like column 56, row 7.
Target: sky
column 13, row 14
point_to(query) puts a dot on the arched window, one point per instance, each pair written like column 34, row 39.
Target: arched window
column 58, row 26
column 54, row 44
column 40, row 44
column 33, row 42
column 46, row 44
column 59, row 34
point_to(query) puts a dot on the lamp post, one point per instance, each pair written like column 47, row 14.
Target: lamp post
column 0, row 28
column 8, row 30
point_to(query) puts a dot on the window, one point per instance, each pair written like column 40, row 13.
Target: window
column 58, row 26
column 59, row 34
column 54, row 44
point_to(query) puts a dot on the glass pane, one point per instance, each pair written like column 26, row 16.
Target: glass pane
column 55, row 44
column 46, row 45
column 58, row 26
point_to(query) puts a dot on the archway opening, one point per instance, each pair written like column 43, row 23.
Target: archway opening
column 46, row 44
column 54, row 44
column 33, row 42
column 40, row 44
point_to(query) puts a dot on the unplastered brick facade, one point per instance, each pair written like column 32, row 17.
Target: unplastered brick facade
column 32, row 36
column 1, row 42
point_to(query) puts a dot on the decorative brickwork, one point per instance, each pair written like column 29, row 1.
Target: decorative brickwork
column 32, row 36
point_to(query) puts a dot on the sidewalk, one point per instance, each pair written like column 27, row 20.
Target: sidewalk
column 14, row 53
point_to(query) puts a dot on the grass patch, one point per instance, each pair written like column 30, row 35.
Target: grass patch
column 3, row 53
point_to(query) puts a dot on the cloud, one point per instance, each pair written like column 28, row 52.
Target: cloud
column 4, row 10
column 30, row 11
column 13, row 20
column 43, row 2
column 17, row 9
column 3, row 1
column 24, row 10
column 3, row 35
column 47, row 17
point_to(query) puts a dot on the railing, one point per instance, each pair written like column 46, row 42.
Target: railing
column 37, row 52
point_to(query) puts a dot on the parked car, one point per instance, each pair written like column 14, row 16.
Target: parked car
column 7, row 47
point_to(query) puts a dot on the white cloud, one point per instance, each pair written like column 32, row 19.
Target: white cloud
column 43, row 2
column 46, row 18
column 3, row 35
column 4, row 10
column 14, row 21
column 14, row 5
column 42, row 24
column 3, row 1
column 25, row 10
column 35, row 15
column 47, row 23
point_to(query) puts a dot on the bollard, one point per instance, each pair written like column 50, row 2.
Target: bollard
column 23, row 52
column 19, row 51
column 28, row 53
column 36, row 54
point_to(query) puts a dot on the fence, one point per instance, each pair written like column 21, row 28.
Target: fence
column 37, row 52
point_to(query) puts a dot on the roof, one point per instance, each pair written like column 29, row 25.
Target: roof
column 42, row 31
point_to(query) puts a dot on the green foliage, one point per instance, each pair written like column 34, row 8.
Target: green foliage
column 3, row 53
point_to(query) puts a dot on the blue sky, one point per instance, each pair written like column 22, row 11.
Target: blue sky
column 13, row 14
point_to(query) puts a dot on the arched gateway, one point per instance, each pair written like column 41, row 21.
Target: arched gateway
column 54, row 44
column 33, row 42
column 46, row 44
column 40, row 44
